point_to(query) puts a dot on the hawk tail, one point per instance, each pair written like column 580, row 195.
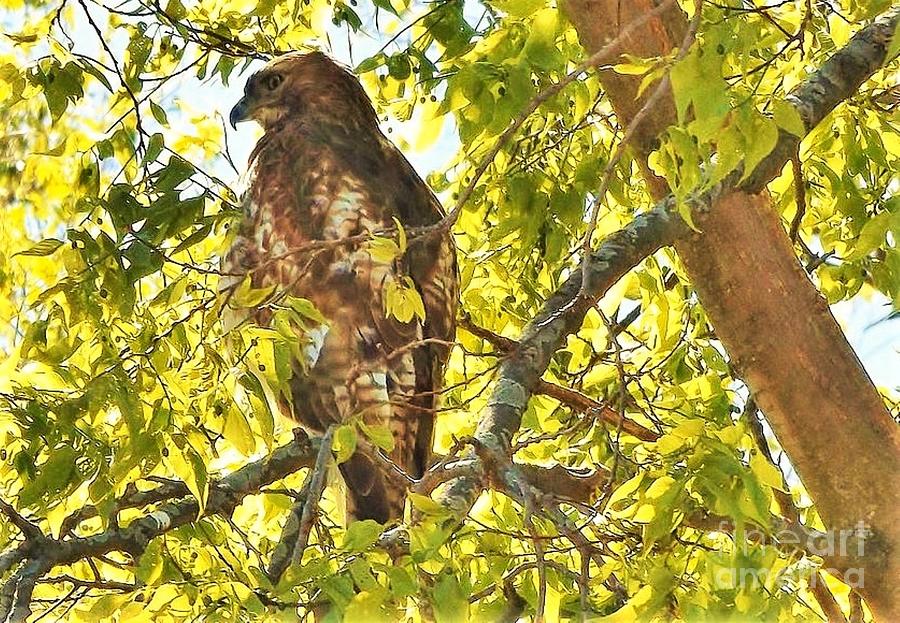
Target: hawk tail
column 370, row 494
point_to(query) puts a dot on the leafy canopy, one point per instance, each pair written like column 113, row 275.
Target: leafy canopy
column 117, row 372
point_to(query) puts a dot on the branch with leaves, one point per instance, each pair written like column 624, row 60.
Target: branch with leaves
column 553, row 475
column 38, row 554
column 564, row 312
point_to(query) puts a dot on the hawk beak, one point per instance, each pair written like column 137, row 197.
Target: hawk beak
column 238, row 113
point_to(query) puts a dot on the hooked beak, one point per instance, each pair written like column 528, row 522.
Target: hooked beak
column 238, row 113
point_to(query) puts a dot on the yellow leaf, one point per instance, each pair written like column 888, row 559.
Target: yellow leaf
column 247, row 296
column 688, row 429
column 344, row 442
column 384, row 250
column 731, row 435
column 644, row 514
column 188, row 466
column 626, row 489
column 429, row 128
column 631, row 69
column 381, row 436
column 401, row 235
column 667, row 444
column 402, row 301
column 237, row 431
column 659, row 487
column 765, row 472
column 839, row 30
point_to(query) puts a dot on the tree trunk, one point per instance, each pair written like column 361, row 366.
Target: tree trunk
column 779, row 332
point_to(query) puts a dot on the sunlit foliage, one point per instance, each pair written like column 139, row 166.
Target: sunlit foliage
column 118, row 192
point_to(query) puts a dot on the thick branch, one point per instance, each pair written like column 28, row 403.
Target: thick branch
column 565, row 395
column 776, row 327
column 563, row 313
column 224, row 496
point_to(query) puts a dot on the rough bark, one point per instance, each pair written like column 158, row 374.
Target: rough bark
column 778, row 330
column 38, row 554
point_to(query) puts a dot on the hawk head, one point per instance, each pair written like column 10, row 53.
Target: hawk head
column 300, row 86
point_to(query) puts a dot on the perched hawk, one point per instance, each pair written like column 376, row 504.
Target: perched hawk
column 323, row 171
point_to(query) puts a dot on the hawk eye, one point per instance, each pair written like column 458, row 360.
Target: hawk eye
column 273, row 81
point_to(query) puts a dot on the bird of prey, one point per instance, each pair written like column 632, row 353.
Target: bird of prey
column 324, row 172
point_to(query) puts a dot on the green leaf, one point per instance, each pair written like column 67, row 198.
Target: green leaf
column 872, row 236
column 52, row 477
column 366, row 606
column 139, row 48
column 154, row 147
column 755, row 501
column 89, row 67
column 540, row 48
column 426, row 505
column 62, row 85
column 175, row 9
column 386, row 5
column 761, row 134
column 45, row 247
column 176, row 171
column 364, row 578
column 450, row 600
column 381, row 436
column 402, row 583
column 371, row 63
column 684, row 211
column 361, row 535
column 685, row 76
column 195, row 238
column 519, row 8
column 307, row 309
column 106, row 606
column 383, row 250
column 788, row 118
column 151, row 565
column 247, row 296
column 159, row 114
column 399, row 66
column 344, row 442
column 190, row 467
column 697, row 81
column 766, row 473
column 143, row 260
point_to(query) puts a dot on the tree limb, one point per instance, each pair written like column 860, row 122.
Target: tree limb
column 224, row 496
column 563, row 313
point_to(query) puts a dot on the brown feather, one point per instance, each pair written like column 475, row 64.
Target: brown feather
column 323, row 170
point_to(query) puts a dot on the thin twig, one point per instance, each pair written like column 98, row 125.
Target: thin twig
column 603, row 55
column 31, row 531
column 799, row 194
column 316, row 487
column 659, row 92
column 105, row 585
